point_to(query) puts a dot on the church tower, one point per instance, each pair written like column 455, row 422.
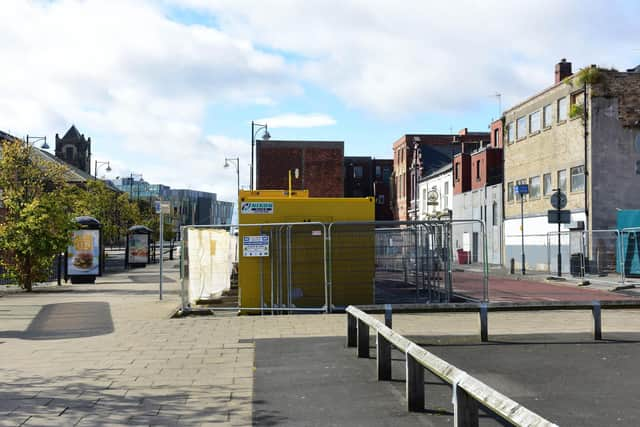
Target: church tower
column 74, row 149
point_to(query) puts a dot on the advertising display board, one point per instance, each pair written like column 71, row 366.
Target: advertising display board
column 83, row 255
column 138, row 248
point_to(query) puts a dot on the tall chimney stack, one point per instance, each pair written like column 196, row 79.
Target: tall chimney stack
column 563, row 70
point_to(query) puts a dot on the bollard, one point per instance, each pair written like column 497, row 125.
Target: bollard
column 387, row 315
column 512, row 270
column 484, row 322
column 597, row 320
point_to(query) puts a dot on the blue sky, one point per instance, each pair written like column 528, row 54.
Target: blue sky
column 168, row 88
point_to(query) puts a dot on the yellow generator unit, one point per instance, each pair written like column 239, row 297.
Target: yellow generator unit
column 292, row 264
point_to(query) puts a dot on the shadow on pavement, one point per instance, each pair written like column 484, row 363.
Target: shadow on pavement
column 67, row 320
column 90, row 398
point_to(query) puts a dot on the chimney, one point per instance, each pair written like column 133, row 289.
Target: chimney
column 463, row 132
column 563, row 70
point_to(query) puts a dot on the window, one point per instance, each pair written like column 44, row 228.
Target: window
column 477, row 170
column 380, row 199
column 511, row 135
column 547, row 113
column 562, row 180
column 563, row 109
column 577, row 178
column 386, row 173
column 357, row 172
column 68, row 152
column 521, row 127
column 534, row 187
column 445, row 199
column 378, row 171
column 546, row 184
column 457, row 172
column 496, row 137
column 510, row 192
column 534, row 122
column 494, row 213
column 424, row 199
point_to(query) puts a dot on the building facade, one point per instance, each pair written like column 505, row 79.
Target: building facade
column 419, row 155
column 581, row 135
column 74, row 149
column 435, row 194
column 320, row 165
column 370, row 177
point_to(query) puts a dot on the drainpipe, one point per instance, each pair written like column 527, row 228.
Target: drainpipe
column 586, row 171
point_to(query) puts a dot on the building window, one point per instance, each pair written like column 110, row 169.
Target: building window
column 494, row 213
column 521, row 127
column 577, row 178
column 547, row 113
column 478, row 170
column 445, row 199
column 534, row 122
column 511, row 135
column 380, row 199
column 424, row 199
column 68, row 152
column 563, row 109
column 562, row 180
column 510, row 192
column 378, row 172
column 457, row 171
column 546, row 184
column 534, row 187
column 496, row 137
column 357, row 172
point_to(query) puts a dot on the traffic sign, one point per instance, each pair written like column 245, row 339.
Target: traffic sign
column 559, row 200
column 162, row 207
column 557, row 216
column 522, row 189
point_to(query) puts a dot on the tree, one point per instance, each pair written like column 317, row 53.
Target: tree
column 38, row 221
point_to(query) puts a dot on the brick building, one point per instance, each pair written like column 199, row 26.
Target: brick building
column 74, row 149
column 370, row 177
column 581, row 135
column 320, row 164
column 435, row 151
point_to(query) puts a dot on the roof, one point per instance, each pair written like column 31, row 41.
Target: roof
column 72, row 133
column 440, row 171
column 300, row 144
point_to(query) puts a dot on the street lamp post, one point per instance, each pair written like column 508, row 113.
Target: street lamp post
column 28, row 139
column 97, row 165
column 236, row 164
column 255, row 128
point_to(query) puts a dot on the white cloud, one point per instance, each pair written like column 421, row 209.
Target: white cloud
column 293, row 120
column 135, row 81
column 394, row 58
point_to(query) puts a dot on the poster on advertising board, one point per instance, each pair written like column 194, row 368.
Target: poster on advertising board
column 83, row 255
column 138, row 249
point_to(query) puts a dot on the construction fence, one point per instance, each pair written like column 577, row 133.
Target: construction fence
column 314, row 266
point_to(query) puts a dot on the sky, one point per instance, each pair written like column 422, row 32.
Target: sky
column 168, row 88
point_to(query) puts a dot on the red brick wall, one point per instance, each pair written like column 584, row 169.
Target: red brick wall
column 320, row 165
column 461, row 180
column 496, row 126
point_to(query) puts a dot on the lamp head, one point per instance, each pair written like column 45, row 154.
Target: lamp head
column 45, row 146
column 266, row 136
column 226, row 163
column 108, row 167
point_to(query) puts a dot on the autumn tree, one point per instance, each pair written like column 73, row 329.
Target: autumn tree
column 38, row 221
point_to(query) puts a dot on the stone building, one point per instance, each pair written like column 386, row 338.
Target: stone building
column 581, row 135
column 320, row 165
column 74, row 149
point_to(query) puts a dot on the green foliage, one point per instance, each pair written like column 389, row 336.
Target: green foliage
column 588, row 75
column 152, row 220
column 576, row 110
column 114, row 210
column 37, row 223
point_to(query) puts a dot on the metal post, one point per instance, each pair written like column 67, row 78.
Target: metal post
column 363, row 339
column 383, row 358
column 253, row 141
column 465, row 409
column 352, row 331
column 522, row 230
column 414, row 385
column 387, row 315
column 559, row 251
column 161, row 247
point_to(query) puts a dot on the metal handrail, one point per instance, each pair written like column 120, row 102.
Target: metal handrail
column 468, row 392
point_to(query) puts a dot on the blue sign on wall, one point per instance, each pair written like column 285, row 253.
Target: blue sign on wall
column 522, row 189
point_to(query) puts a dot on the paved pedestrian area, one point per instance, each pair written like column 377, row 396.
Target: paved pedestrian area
column 108, row 354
